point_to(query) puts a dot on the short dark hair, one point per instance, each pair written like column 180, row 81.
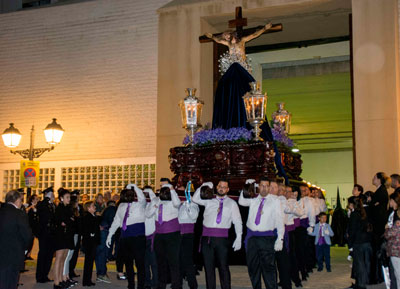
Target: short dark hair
column 395, row 177
column 87, row 204
column 127, row 196
column 62, row 192
column 264, row 179
column 359, row 188
column 225, row 180
column 322, row 214
column 13, row 196
column 304, row 185
column 165, row 180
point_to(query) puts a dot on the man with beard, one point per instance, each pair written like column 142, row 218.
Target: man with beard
column 219, row 214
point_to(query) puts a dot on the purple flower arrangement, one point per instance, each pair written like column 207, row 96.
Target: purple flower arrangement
column 211, row 136
column 280, row 136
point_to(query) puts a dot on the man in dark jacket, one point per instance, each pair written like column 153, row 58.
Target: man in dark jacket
column 15, row 238
column 46, row 213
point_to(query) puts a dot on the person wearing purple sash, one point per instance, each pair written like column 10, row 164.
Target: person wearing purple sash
column 150, row 261
column 265, row 232
column 308, row 221
column 322, row 234
column 167, row 240
column 219, row 214
column 293, row 211
column 188, row 213
column 130, row 217
column 282, row 257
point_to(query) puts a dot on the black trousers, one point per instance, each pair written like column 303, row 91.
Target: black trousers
column 215, row 254
column 45, row 256
column 167, row 247
column 9, row 278
column 300, row 248
column 294, row 269
column 186, row 260
column 134, row 250
column 283, row 264
column 150, row 263
column 90, row 254
column 119, row 260
column 260, row 257
column 362, row 254
column 311, row 258
column 74, row 259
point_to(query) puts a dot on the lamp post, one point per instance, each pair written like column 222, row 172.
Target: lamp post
column 191, row 109
column 12, row 137
column 282, row 117
column 256, row 105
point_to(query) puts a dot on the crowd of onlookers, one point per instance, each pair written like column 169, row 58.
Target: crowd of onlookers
column 374, row 232
column 151, row 229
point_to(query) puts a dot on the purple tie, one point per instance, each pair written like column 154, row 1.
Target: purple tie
column 259, row 212
column 221, row 206
column 126, row 217
column 160, row 209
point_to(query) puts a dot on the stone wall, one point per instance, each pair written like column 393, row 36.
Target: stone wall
column 93, row 66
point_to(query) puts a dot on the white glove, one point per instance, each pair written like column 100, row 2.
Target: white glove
column 326, row 232
column 350, row 249
column 349, row 258
column 237, row 244
column 108, row 241
column 168, row 186
column 250, row 181
column 278, row 245
column 209, row 184
column 131, row 186
column 310, row 230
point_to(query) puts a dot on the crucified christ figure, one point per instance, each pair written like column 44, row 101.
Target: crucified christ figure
column 235, row 44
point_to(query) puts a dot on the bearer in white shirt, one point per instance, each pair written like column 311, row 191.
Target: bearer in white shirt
column 265, row 229
column 167, row 240
column 219, row 214
column 188, row 213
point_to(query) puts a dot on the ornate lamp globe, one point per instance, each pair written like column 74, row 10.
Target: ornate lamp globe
column 282, row 117
column 11, row 136
column 191, row 109
column 53, row 133
column 255, row 103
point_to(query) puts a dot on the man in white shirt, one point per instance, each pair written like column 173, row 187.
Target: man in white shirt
column 150, row 261
column 294, row 211
column 308, row 221
column 130, row 218
column 167, row 240
column 265, row 231
column 219, row 214
column 188, row 213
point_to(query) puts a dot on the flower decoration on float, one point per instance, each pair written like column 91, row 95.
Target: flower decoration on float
column 219, row 135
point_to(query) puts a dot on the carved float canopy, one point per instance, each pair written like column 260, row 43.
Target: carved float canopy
column 234, row 161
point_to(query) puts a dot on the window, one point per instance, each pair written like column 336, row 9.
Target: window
column 98, row 179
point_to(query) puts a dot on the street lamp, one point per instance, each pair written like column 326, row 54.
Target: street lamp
column 53, row 134
column 12, row 137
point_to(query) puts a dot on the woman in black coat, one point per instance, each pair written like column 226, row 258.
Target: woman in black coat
column 359, row 231
column 64, row 220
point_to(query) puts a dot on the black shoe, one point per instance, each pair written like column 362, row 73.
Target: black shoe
column 328, row 270
column 319, row 269
column 58, row 286
column 73, row 275
column 298, row 285
column 304, row 278
column 88, row 284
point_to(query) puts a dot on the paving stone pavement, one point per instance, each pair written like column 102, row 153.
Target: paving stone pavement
column 337, row 279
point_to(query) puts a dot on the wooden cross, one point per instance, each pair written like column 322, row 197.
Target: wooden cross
column 239, row 22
